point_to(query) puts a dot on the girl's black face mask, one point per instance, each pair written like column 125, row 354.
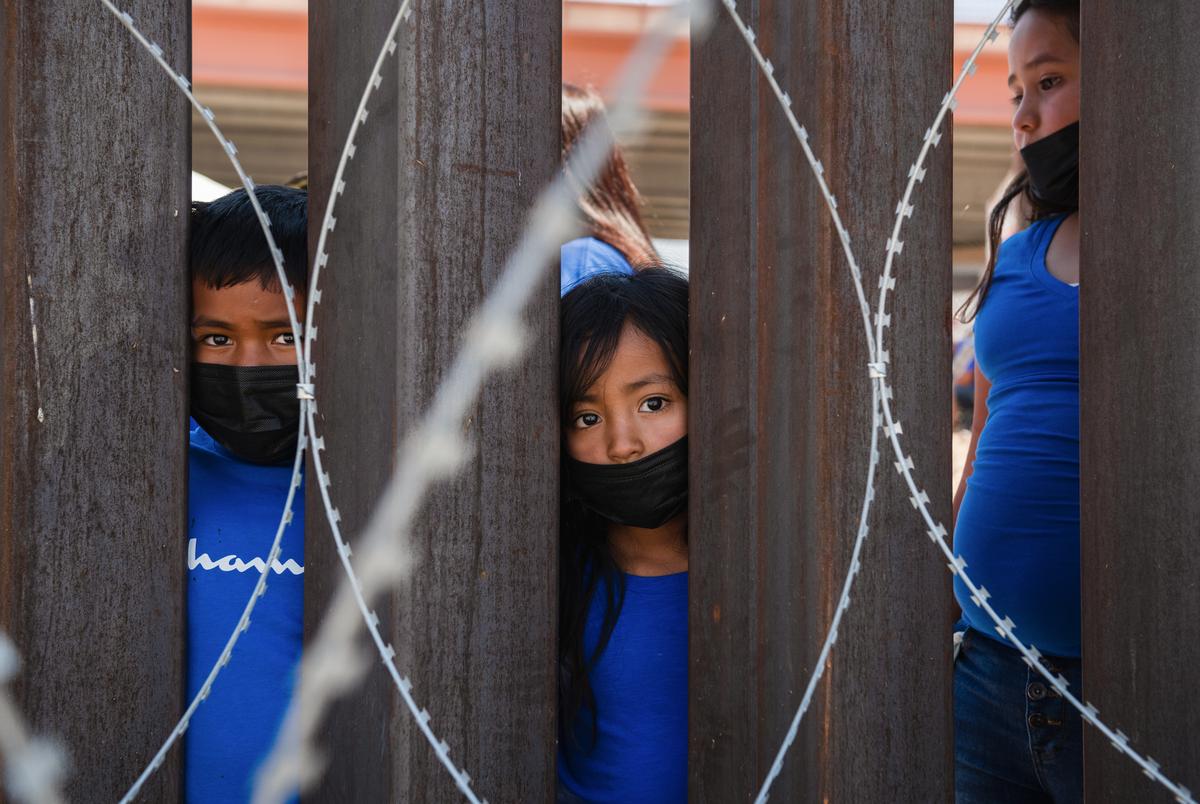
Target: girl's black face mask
column 252, row 411
column 646, row 493
column 1053, row 165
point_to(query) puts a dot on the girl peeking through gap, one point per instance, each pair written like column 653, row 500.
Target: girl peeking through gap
column 624, row 553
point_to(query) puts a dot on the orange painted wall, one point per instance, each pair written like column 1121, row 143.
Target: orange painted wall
column 249, row 47
column 595, row 57
column 984, row 97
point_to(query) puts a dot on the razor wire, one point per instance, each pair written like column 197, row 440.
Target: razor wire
column 904, row 464
column 33, row 767
column 436, row 449
column 260, row 587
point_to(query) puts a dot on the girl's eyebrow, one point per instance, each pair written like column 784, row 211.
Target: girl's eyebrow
column 1038, row 61
column 649, row 379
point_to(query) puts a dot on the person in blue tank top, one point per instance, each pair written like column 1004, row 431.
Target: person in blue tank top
column 1017, row 506
column 609, row 208
column 242, row 446
column 623, row 605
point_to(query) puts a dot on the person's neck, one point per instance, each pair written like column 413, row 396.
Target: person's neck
column 650, row 551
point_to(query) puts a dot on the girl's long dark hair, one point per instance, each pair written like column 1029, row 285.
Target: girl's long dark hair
column 610, row 206
column 1020, row 186
column 593, row 315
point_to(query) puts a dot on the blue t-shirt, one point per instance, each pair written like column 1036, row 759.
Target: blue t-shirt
column 234, row 510
column 1018, row 526
column 585, row 256
column 641, row 689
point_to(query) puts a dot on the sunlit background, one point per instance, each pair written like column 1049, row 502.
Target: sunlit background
column 250, row 64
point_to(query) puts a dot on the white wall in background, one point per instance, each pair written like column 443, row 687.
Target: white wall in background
column 983, row 11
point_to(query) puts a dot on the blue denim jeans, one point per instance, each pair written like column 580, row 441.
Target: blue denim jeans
column 1016, row 739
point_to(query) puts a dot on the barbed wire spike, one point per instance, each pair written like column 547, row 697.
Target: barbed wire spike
column 35, row 770
column 34, row 767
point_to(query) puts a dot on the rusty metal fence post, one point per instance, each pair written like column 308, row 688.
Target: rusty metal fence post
column 1139, row 442
column 94, row 191
column 462, row 134
column 780, row 411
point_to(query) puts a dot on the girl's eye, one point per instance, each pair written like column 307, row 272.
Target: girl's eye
column 285, row 339
column 1049, row 83
column 653, row 405
column 1016, row 100
column 215, row 340
column 584, row 420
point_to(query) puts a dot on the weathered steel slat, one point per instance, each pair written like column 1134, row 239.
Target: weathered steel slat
column 460, row 137
column 1139, row 443
column 780, row 411
column 94, row 190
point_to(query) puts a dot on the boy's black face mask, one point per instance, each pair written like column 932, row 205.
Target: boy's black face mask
column 1053, row 165
column 645, row 493
column 252, row 411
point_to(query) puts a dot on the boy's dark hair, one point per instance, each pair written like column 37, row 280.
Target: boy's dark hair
column 228, row 246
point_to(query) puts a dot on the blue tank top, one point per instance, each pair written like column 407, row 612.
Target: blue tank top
column 641, row 689
column 1018, row 525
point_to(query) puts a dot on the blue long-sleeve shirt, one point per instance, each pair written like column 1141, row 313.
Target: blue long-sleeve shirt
column 234, row 510
column 641, row 690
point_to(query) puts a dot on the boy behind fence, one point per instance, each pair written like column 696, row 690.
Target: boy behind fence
column 242, row 445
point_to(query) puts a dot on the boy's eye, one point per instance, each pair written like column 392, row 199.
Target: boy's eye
column 1016, row 100
column 285, row 339
column 586, row 420
column 214, row 339
column 1049, row 83
column 653, row 405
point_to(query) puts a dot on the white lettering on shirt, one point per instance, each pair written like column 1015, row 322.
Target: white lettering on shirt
column 232, row 563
